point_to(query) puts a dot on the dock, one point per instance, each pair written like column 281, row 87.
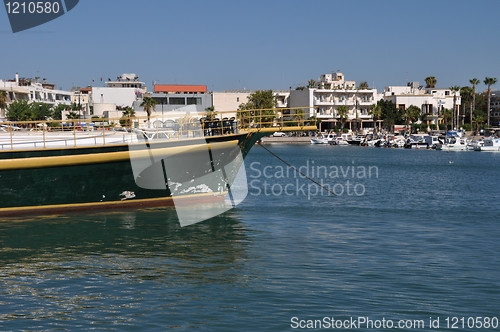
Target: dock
column 287, row 139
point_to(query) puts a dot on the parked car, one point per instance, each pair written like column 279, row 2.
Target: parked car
column 279, row 134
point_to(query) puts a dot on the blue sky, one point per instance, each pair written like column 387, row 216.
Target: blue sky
column 271, row 44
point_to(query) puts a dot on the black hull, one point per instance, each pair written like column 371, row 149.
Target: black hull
column 97, row 178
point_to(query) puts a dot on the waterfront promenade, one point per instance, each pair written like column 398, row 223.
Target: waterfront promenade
column 286, row 139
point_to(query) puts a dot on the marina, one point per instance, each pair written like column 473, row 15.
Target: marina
column 446, row 141
column 409, row 248
column 254, row 166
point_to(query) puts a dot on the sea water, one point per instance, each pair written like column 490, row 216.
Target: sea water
column 361, row 239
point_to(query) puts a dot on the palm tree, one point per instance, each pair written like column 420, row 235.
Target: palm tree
column 411, row 114
column 129, row 112
column 299, row 116
column 478, row 120
column 363, row 86
column 3, row 101
column 127, row 115
column 342, row 113
column 489, row 81
column 210, row 113
column 467, row 94
column 455, row 89
column 72, row 115
column 447, row 116
column 474, row 82
column 311, row 83
column 149, row 104
column 430, row 81
column 376, row 112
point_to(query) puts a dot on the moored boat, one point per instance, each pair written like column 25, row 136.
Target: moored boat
column 53, row 172
column 339, row 141
column 490, row 144
column 324, row 138
column 416, row 142
column 454, row 142
column 356, row 140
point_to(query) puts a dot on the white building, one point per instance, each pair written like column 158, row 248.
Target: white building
column 122, row 92
column 328, row 94
column 229, row 101
column 431, row 101
column 33, row 90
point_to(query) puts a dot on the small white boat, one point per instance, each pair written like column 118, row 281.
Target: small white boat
column 416, row 142
column 475, row 144
column 319, row 140
column 490, row 144
column 398, row 142
column 339, row 141
column 454, row 144
column 324, row 139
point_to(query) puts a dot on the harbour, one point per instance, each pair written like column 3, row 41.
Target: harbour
column 254, row 166
column 420, row 244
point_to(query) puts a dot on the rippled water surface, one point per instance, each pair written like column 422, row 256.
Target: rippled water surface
column 417, row 238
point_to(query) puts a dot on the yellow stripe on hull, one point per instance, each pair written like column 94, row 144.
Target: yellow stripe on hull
column 193, row 199
column 108, row 157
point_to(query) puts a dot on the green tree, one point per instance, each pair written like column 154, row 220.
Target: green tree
column 376, row 112
column 489, row 81
column 311, row 84
column 363, row 86
column 342, row 113
column 299, row 116
column 474, row 82
column 210, row 113
column 260, row 108
column 411, row 114
column 447, row 115
column 72, row 115
column 40, row 111
column 149, row 105
column 455, row 89
column 57, row 111
column 390, row 114
column 127, row 114
column 431, row 82
column 3, row 100
column 478, row 120
column 19, row 110
column 76, row 107
column 467, row 94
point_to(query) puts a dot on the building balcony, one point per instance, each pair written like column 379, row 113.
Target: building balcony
column 324, row 102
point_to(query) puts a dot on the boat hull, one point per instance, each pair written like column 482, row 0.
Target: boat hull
column 489, row 145
column 146, row 174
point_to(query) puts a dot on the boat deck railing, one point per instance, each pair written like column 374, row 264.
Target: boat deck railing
column 16, row 135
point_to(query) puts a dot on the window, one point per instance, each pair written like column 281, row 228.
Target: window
column 193, row 101
column 160, row 100
column 237, row 99
column 177, row 101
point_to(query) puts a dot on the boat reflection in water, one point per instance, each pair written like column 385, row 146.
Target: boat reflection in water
column 140, row 245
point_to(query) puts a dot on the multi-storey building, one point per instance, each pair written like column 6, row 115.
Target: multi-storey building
column 495, row 108
column 323, row 99
column 171, row 97
column 33, row 90
column 431, row 101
